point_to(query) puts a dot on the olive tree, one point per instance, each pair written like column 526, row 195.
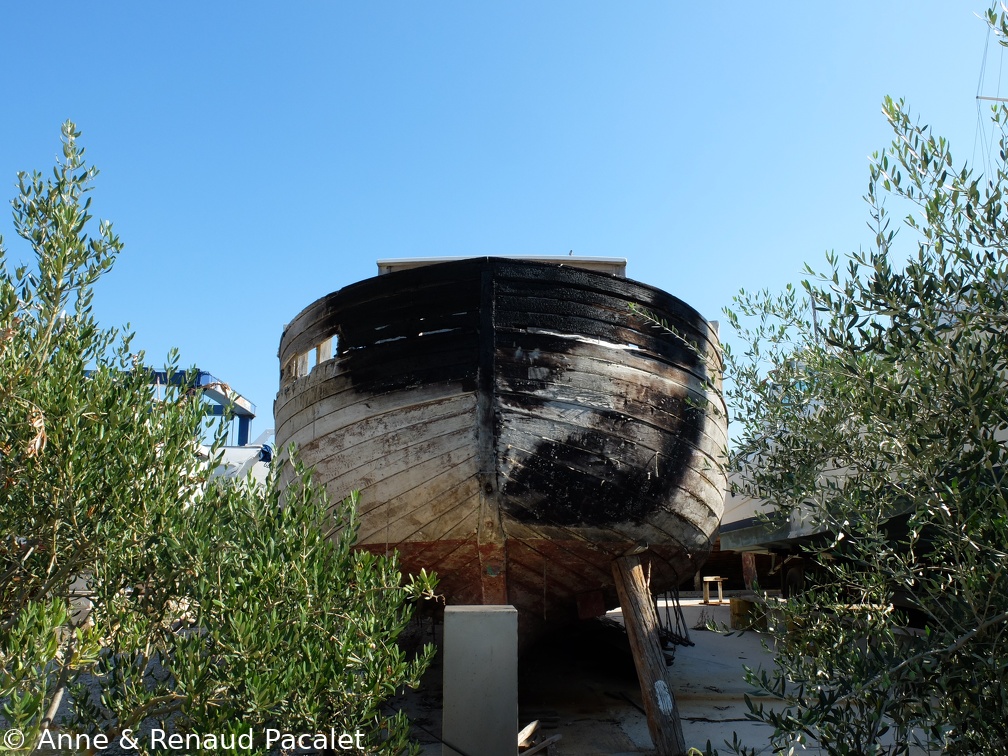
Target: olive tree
column 873, row 401
column 136, row 588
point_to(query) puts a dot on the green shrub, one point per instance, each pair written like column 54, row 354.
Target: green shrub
column 211, row 606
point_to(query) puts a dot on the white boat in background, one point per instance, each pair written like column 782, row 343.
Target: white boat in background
column 751, row 524
column 244, row 457
column 241, row 461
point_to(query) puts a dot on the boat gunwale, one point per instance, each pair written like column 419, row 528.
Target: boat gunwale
column 317, row 322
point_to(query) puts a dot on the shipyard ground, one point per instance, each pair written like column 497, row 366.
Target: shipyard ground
column 583, row 687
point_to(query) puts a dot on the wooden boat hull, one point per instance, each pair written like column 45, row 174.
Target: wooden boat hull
column 514, row 426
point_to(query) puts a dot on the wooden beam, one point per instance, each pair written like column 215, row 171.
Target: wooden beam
column 652, row 672
column 545, row 747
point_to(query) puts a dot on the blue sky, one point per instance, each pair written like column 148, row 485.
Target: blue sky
column 256, row 156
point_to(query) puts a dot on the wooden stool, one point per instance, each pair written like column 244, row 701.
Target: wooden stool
column 706, row 589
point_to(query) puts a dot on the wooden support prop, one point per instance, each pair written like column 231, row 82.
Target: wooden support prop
column 642, row 628
column 545, row 747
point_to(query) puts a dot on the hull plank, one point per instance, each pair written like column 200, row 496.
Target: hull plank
column 604, row 458
column 407, row 519
column 411, row 472
column 514, row 426
column 672, row 396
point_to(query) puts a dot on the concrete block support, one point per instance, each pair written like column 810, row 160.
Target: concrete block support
column 480, row 710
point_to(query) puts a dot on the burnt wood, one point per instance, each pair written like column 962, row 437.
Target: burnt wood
column 513, row 425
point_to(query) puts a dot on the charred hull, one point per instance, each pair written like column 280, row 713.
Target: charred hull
column 514, row 426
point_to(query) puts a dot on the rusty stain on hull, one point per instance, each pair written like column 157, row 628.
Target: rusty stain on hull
column 513, row 426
